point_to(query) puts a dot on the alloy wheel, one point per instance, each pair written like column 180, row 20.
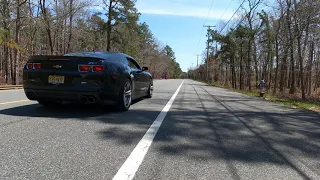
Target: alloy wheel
column 127, row 94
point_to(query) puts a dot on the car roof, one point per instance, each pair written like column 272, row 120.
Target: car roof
column 99, row 53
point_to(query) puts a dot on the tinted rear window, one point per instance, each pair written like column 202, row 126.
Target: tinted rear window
column 106, row 56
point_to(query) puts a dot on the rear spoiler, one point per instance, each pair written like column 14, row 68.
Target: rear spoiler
column 37, row 58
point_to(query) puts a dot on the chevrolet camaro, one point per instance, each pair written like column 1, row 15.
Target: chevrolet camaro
column 86, row 77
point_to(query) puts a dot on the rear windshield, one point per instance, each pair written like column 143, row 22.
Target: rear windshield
column 106, row 56
column 91, row 54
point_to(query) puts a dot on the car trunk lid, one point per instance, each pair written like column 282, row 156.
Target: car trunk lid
column 63, row 70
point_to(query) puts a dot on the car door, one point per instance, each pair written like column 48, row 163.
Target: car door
column 145, row 80
column 138, row 75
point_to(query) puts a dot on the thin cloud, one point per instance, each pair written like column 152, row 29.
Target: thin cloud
column 184, row 8
column 199, row 13
column 179, row 8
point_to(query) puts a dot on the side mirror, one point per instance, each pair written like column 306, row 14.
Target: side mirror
column 144, row 68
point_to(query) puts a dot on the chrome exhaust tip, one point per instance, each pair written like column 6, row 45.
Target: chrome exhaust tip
column 84, row 99
column 91, row 99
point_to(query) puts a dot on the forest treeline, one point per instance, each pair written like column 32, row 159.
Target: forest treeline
column 277, row 41
column 55, row 27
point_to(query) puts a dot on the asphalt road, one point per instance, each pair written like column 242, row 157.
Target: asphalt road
column 208, row 133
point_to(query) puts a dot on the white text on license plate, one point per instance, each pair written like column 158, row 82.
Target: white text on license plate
column 56, row 79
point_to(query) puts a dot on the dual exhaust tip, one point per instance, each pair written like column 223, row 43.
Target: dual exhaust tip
column 88, row 99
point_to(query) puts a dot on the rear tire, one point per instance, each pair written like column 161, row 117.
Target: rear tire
column 150, row 90
column 49, row 103
column 125, row 96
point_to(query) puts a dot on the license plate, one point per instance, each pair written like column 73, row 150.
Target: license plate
column 56, row 79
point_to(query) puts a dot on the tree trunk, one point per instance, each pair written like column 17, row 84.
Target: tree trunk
column 1, row 64
column 255, row 61
column 6, row 61
column 277, row 66
column 64, row 36
column 284, row 72
column 70, row 29
column 264, row 70
column 270, row 74
column 293, row 79
column 317, row 81
column 47, row 22
column 299, row 31
column 17, row 41
column 310, row 68
column 11, row 60
column 303, row 93
column 292, row 75
column 270, row 58
column 5, row 13
column 234, row 75
column 249, row 66
column 109, row 28
column 227, row 76
column 241, row 67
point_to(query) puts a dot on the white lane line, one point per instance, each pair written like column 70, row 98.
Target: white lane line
column 11, row 102
column 131, row 165
column 10, row 90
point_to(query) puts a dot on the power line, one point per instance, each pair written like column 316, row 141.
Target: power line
column 232, row 16
column 209, row 12
column 204, row 23
column 240, row 22
column 225, row 10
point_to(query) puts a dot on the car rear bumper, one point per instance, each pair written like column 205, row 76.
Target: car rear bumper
column 68, row 93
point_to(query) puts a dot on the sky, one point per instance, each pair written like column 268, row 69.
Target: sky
column 179, row 24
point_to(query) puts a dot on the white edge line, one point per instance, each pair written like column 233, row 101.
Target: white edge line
column 131, row 165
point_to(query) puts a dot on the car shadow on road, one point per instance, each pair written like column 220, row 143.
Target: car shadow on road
column 68, row 110
column 107, row 113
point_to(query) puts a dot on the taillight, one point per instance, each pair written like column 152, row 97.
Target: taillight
column 97, row 68
column 87, row 68
column 84, row 68
column 30, row 66
column 33, row 65
column 36, row 65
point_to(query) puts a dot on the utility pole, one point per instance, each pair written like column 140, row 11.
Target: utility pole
column 192, row 75
column 197, row 59
column 207, row 63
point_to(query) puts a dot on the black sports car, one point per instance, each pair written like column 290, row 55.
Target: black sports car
column 87, row 77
